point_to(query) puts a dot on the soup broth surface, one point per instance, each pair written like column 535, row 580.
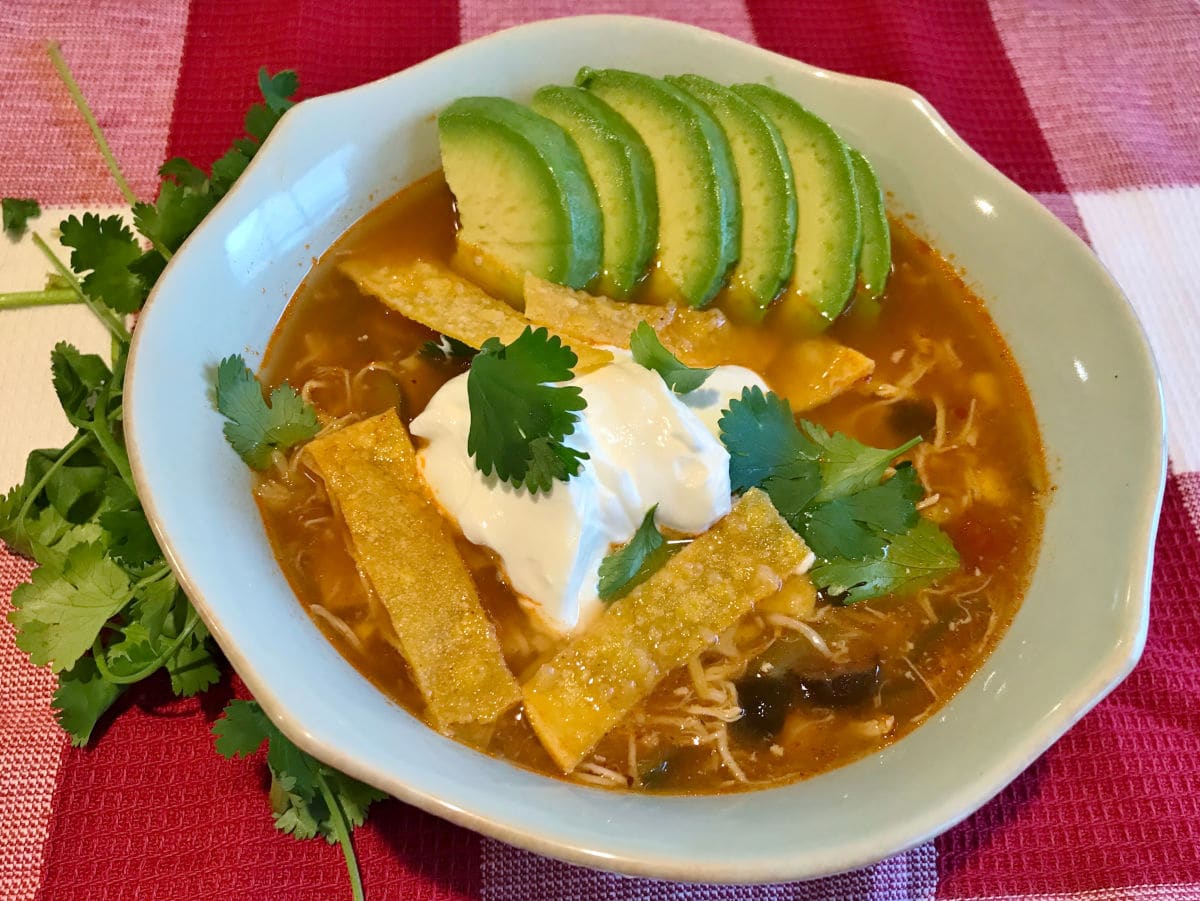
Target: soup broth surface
column 876, row 669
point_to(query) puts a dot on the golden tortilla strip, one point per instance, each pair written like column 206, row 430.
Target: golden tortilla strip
column 814, row 371
column 575, row 698
column 447, row 303
column 400, row 542
column 586, row 317
column 696, row 337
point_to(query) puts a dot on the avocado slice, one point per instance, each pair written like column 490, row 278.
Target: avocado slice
column 525, row 200
column 623, row 174
column 875, row 261
column 829, row 231
column 768, row 197
column 699, row 211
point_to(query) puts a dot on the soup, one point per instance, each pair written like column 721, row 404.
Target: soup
column 794, row 687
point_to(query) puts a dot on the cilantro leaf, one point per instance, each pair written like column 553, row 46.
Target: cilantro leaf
column 300, row 782
column 909, row 561
column 792, row 489
column 194, row 667
column 74, row 486
column 549, row 462
column 78, row 380
column 16, row 213
column 154, row 604
column 628, row 566
column 518, row 419
column 59, row 615
column 847, row 465
column 256, row 428
column 104, row 249
column 242, row 730
column 277, row 89
column 12, row 524
column 131, row 541
column 227, row 169
column 763, row 441
column 50, row 538
column 649, row 352
column 856, row 526
column 82, row 697
column 175, row 214
column 184, row 172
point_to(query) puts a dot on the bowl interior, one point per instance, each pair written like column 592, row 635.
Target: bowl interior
column 1082, row 352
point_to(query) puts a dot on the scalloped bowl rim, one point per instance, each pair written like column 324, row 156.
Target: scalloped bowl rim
column 196, row 492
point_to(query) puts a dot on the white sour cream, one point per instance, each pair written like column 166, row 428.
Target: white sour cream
column 646, row 446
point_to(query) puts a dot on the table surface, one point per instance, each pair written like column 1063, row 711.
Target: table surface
column 1091, row 107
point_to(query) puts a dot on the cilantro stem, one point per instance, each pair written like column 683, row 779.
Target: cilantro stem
column 338, row 819
column 101, row 660
column 72, row 86
column 104, row 435
column 109, row 318
column 15, row 300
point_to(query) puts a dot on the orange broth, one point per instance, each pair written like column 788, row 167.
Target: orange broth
column 942, row 370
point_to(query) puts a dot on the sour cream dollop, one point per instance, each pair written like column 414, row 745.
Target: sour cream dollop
column 646, row 446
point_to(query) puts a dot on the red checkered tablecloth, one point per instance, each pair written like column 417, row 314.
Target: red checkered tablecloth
column 1094, row 107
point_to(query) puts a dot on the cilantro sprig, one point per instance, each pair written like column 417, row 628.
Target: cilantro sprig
column 519, row 417
column 649, row 352
column 307, row 797
column 864, row 528
column 102, row 609
column 256, row 428
column 631, row 564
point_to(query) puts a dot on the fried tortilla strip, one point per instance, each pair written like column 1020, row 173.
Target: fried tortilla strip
column 574, row 699
column 602, row 321
column 586, row 317
column 447, row 303
column 816, row 370
column 400, row 542
column 809, row 372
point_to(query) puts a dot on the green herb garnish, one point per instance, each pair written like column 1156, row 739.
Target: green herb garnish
column 857, row 526
column 910, row 560
column 256, row 428
column 102, row 252
column 633, row 563
column 865, row 529
column 103, row 609
column 308, row 798
column 518, row 417
column 847, row 465
column 768, row 451
column 648, row 351
column 15, row 213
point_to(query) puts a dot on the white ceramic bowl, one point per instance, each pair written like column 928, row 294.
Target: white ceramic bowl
column 1087, row 364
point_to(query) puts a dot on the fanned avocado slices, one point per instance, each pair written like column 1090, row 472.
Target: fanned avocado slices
column 525, row 200
column 875, row 261
column 768, row 196
column 623, row 173
column 698, row 205
column 829, row 233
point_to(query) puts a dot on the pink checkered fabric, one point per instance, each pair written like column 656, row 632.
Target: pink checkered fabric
column 1091, row 106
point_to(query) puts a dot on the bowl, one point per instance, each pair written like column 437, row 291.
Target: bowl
column 1088, row 366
